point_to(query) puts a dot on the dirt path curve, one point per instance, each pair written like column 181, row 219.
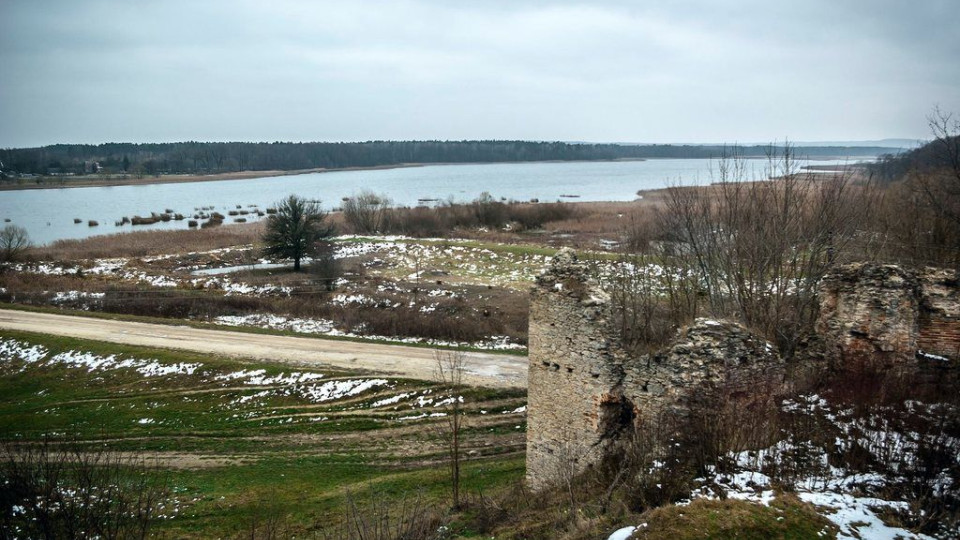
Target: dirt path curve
column 482, row 369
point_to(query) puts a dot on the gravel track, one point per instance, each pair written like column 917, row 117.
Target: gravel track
column 481, row 369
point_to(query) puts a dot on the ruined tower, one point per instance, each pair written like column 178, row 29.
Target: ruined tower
column 572, row 370
column 586, row 392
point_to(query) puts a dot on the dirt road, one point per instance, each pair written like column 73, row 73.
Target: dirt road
column 482, row 369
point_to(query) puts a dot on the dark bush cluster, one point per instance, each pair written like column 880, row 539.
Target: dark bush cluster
column 367, row 213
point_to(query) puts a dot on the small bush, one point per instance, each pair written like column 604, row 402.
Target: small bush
column 14, row 243
column 367, row 212
column 67, row 491
column 381, row 518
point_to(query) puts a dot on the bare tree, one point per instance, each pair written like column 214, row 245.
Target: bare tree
column 759, row 249
column 14, row 241
column 367, row 212
column 450, row 371
column 946, row 134
column 384, row 518
column 940, row 184
column 650, row 299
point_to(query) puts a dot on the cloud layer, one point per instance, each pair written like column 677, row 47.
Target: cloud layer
column 693, row 71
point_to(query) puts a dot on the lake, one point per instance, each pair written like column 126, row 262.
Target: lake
column 48, row 214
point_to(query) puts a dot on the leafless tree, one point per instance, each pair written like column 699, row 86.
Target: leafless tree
column 651, row 298
column 450, row 371
column 383, row 518
column 759, row 249
column 367, row 212
column 940, row 184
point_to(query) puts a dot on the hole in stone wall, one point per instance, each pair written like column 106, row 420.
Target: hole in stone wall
column 615, row 416
column 555, row 366
column 569, row 370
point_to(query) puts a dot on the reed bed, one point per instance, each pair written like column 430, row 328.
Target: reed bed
column 144, row 243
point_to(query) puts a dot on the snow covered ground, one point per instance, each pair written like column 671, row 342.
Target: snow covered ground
column 856, row 500
column 310, row 386
column 328, row 328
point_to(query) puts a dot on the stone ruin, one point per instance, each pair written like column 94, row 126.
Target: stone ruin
column 586, row 390
column 884, row 316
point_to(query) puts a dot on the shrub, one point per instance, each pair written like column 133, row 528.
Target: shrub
column 367, row 212
column 14, row 242
column 66, row 491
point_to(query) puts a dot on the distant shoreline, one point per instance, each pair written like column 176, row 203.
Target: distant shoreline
column 52, row 182
column 131, row 180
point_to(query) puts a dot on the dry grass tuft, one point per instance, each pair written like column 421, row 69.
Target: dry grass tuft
column 143, row 243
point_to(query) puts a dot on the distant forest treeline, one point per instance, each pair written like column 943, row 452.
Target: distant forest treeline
column 206, row 157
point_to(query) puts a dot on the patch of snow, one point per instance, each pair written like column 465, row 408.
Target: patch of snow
column 448, row 401
column 72, row 296
column 423, row 415
column 929, row 356
column 327, row 327
column 622, row 534
column 258, row 377
column 278, row 322
column 392, row 400
column 92, row 362
column 856, row 518
column 339, row 389
column 250, row 397
column 21, row 350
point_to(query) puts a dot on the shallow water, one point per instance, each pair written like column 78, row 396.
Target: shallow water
column 48, row 214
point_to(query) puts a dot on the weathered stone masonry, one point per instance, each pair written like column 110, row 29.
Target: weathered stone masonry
column 886, row 316
column 585, row 389
column 572, row 370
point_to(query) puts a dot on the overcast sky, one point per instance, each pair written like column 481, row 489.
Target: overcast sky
column 683, row 71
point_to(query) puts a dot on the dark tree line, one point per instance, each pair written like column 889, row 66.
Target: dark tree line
column 202, row 157
column 928, row 158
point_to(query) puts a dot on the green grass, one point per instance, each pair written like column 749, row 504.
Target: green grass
column 786, row 518
column 246, row 467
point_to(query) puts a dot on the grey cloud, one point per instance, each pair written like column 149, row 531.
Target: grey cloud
column 629, row 71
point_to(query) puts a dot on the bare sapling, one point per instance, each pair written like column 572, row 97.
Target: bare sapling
column 450, row 371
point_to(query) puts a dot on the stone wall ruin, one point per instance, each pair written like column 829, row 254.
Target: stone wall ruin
column 884, row 316
column 586, row 391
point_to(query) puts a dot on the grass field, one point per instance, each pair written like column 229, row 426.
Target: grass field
column 240, row 442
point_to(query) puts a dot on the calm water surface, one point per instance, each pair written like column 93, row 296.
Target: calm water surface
column 48, row 214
